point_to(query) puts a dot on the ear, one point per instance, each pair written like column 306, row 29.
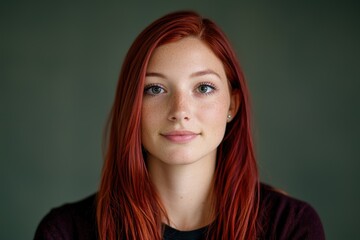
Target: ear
column 235, row 102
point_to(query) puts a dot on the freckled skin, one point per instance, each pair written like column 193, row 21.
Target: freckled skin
column 191, row 94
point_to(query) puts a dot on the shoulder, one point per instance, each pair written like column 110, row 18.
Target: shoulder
column 70, row 221
column 284, row 217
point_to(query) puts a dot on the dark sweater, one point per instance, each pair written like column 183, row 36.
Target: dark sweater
column 282, row 217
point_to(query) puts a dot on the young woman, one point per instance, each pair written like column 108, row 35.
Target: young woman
column 180, row 161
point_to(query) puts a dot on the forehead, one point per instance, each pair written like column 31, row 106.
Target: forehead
column 189, row 54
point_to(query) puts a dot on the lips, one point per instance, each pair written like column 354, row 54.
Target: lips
column 180, row 136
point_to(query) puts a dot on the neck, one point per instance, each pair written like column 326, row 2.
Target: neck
column 185, row 191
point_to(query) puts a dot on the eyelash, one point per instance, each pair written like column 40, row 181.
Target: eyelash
column 207, row 84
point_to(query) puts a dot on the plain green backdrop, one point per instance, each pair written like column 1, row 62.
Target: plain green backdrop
column 59, row 67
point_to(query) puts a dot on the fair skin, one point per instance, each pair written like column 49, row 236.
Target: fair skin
column 185, row 111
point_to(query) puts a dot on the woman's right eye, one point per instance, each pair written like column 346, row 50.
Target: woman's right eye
column 154, row 90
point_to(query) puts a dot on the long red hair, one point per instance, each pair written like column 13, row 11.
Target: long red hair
column 127, row 203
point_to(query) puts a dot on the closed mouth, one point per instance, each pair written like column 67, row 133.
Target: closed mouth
column 180, row 136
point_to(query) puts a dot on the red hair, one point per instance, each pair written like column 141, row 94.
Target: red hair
column 127, row 204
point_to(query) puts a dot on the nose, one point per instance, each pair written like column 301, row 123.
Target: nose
column 179, row 107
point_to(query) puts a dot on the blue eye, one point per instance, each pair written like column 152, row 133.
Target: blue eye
column 205, row 88
column 154, row 90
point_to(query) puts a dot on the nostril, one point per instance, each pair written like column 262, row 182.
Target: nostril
column 179, row 117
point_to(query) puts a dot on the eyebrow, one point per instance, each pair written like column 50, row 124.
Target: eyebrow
column 195, row 74
column 155, row 74
column 205, row 72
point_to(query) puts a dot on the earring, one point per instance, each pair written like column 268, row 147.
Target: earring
column 229, row 117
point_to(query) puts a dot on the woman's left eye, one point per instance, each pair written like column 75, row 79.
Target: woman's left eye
column 205, row 88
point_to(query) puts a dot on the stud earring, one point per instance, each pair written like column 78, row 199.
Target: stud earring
column 229, row 117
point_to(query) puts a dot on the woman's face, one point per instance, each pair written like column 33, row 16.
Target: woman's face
column 186, row 103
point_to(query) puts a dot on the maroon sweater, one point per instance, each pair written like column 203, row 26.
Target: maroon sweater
column 282, row 217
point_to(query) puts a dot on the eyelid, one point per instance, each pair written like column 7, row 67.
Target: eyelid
column 208, row 84
column 147, row 86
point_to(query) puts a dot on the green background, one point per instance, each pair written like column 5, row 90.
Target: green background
column 59, row 68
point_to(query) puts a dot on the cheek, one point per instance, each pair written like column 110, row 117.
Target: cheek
column 216, row 111
column 146, row 119
column 150, row 117
column 214, row 117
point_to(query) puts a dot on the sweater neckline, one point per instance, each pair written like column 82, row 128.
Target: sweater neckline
column 175, row 234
